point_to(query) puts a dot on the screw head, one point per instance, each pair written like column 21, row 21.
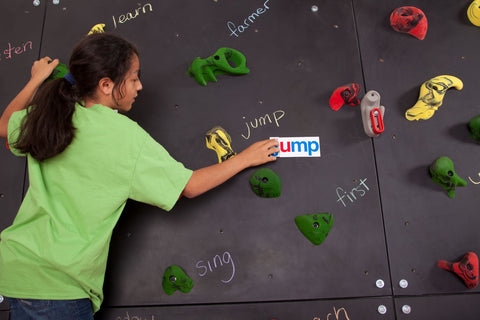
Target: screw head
column 36, row 3
column 382, row 309
column 314, row 8
column 403, row 283
column 56, row 2
column 380, row 283
column 406, row 309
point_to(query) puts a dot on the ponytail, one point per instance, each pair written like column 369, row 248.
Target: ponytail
column 48, row 129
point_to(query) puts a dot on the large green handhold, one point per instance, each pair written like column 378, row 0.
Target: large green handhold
column 315, row 227
column 443, row 173
column 224, row 61
column 59, row 72
column 174, row 278
column 474, row 128
column 266, row 183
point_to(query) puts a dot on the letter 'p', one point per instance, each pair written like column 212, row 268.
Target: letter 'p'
column 313, row 146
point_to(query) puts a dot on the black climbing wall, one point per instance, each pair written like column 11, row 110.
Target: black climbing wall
column 422, row 223
column 395, row 227
column 20, row 39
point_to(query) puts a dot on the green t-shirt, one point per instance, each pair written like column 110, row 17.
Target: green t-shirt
column 58, row 244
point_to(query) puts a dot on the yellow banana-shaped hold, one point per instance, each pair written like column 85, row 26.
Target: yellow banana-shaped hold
column 473, row 12
column 98, row 28
column 431, row 96
column 219, row 140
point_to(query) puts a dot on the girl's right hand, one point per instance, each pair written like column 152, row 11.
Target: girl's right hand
column 259, row 153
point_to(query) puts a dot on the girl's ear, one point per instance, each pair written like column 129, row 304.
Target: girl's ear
column 105, row 85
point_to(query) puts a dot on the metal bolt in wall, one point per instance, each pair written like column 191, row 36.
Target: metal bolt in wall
column 403, row 283
column 406, row 309
column 380, row 283
column 382, row 309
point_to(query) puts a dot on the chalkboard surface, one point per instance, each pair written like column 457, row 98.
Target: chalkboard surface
column 290, row 51
column 422, row 224
column 19, row 48
column 315, row 310
column 244, row 253
column 20, row 43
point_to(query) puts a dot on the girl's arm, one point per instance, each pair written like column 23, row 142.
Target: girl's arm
column 41, row 69
column 208, row 178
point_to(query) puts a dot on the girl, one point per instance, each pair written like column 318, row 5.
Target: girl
column 84, row 162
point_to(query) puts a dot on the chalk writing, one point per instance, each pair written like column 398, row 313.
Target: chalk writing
column 474, row 182
column 251, row 18
column 129, row 317
column 262, row 121
column 12, row 51
column 352, row 195
column 130, row 16
column 335, row 315
column 217, row 262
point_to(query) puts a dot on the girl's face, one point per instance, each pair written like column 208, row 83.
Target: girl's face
column 128, row 91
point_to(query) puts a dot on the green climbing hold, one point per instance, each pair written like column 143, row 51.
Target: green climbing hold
column 266, row 183
column 474, row 127
column 204, row 70
column 174, row 278
column 315, row 227
column 59, row 72
column 442, row 172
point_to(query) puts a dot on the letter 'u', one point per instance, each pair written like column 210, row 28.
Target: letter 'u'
column 288, row 146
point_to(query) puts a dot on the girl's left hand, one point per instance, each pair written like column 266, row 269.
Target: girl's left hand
column 43, row 68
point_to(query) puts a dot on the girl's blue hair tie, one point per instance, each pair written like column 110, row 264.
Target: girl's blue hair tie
column 69, row 78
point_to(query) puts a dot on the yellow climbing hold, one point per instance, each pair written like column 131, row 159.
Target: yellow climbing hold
column 431, row 96
column 473, row 13
column 219, row 140
column 98, row 28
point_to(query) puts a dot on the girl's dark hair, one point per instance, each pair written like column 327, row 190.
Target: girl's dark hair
column 48, row 129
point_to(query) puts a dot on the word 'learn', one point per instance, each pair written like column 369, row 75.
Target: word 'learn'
column 130, row 16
